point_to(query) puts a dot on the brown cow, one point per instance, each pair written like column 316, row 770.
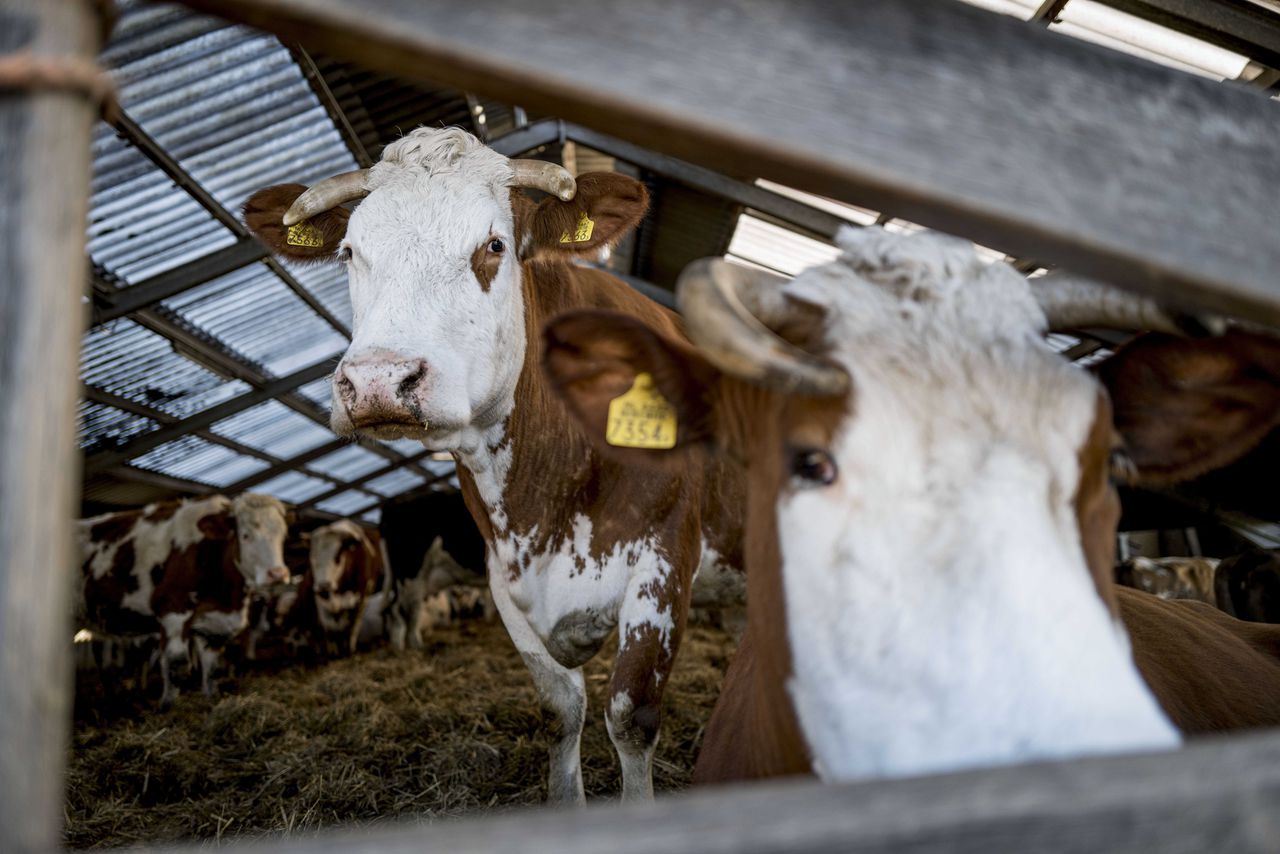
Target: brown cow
column 453, row 271
column 1171, row 577
column 183, row 570
column 931, row 518
column 346, row 564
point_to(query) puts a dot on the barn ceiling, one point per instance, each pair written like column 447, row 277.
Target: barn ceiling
column 205, row 364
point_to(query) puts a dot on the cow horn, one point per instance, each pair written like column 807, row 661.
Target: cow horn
column 327, row 195
column 723, row 304
column 541, row 175
column 1073, row 302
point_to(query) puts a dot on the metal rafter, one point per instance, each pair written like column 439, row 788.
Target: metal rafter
column 337, row 115
column 167, row 433
column 365, row 478
column 216, row 356
column 154, row 152
column 106, row 398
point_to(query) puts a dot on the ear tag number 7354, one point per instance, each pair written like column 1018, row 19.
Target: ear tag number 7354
column 641, row 417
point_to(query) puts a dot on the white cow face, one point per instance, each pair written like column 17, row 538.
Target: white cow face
column 261, row 527
column 336, row 550
column 439, row 336
column 942, row 518
column 434, row 257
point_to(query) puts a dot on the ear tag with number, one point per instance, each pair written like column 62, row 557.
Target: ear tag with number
column 641, row 417
column 304, row 234
column 581, row 232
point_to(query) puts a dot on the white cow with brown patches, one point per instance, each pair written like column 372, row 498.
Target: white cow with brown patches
column 931, row 518
column 453, row 272
column 184, row 570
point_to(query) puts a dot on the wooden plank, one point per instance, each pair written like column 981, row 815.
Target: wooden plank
column 948, row 115
column 44, row 184
column 1216, row 795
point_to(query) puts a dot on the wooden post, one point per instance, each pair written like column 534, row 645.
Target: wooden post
column 46, row 114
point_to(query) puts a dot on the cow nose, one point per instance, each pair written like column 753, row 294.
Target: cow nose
column 324, row 591
column 278, row 573
column 380, row 386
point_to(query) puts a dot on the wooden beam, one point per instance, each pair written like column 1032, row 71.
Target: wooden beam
column 951, row 116
column 44, row 182
column 1215, row 795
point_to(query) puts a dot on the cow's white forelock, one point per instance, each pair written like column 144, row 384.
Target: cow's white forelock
column 940, row 610
column 435, row 197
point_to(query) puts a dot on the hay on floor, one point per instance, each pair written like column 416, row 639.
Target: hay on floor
column 450, row 730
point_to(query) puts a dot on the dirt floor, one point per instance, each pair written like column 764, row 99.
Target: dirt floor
column 442, row 732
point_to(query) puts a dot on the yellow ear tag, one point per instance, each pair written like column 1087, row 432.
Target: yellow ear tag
column 641, row 418
column 581, row 232
column 304, row 234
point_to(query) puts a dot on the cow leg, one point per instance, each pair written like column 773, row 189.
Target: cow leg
column 396, row 627
column 173, row 651
column 209, row 661
column 563, row 693
column 415, row 627
column 649, row 633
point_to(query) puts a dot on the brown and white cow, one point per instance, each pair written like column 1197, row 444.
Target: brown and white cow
column 1171, row 577
column 346, row 564
column 181, row 569
column 453, row 271
column 931, row 519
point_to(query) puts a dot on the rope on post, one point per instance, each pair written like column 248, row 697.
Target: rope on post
column 27, row 71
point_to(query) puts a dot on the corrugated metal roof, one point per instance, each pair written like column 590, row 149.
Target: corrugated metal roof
column 273, row 428
column 233, row 109
column 253, row 312
column 193, row 458
column 294, row 487
column 131, row 362
column 346, row 503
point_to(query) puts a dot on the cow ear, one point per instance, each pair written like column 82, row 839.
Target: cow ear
column 605, row 207
column 313, row 240
column 217, row 526
column 638, row 394
column 1188, row 406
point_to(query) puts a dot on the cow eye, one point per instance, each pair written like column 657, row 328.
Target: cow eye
column 814, row 468
column 344, row 254
column 496, row 246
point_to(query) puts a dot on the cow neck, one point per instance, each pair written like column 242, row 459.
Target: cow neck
column 530, row 471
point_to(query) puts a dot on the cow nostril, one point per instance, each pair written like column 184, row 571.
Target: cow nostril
column 346, row 389
column 407, row 385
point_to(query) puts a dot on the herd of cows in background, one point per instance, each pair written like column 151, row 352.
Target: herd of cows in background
column 916, row 493
column 186, row 581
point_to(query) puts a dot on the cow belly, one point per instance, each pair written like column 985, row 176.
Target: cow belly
column 570, row 597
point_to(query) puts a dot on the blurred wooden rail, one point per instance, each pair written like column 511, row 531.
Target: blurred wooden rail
column 957, row 118
column 1217, row 795
column 44, row 194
